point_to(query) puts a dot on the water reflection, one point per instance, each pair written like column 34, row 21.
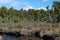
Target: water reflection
column 7, row 38
column 1, row 38
column 20, row 38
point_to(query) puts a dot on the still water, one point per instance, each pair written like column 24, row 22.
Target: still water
column 20, row 38
column 8, row 38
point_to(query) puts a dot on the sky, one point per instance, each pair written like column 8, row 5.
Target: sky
column 27, row 4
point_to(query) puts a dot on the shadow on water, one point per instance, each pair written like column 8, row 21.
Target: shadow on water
column 20, row 38
column 4, row 37
column 35, row 36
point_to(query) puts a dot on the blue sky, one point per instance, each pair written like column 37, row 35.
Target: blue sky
column 27, row 4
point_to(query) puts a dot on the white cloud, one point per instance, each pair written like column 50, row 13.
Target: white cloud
column 12, row 2
column 16, row 4
column 28, row 7
column 41, row 8
column 5, row 1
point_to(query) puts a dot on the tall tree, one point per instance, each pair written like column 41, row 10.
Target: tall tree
column 3, row 11
column 56, row 6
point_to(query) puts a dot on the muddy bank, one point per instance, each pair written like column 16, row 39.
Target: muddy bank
column 35, row 36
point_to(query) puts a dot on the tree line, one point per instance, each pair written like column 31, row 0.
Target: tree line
column 12, row 15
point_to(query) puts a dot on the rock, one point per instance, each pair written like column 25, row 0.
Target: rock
column 1, row 38
column 49, row 35
column 57, row 38
column 37, row 34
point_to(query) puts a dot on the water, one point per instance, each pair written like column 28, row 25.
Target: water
column 20, row 38
column 7, row 38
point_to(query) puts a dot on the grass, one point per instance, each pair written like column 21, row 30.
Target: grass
column 26, row 27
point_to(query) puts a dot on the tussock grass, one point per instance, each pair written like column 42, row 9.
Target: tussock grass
column 26, row 27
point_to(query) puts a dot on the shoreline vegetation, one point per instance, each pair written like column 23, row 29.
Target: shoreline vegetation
column 31, row 20
column 27, row 27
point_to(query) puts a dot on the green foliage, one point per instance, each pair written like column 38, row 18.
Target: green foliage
column 56, row 6
column 50, row 15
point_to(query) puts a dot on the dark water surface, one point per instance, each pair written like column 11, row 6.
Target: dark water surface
column 8, row 38
column 20, row 38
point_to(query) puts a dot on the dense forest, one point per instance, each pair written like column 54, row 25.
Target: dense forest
column 51, row 15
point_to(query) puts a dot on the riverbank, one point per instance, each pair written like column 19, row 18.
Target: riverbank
column 26, row 27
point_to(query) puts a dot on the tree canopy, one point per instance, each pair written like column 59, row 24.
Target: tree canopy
column 12, row 15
